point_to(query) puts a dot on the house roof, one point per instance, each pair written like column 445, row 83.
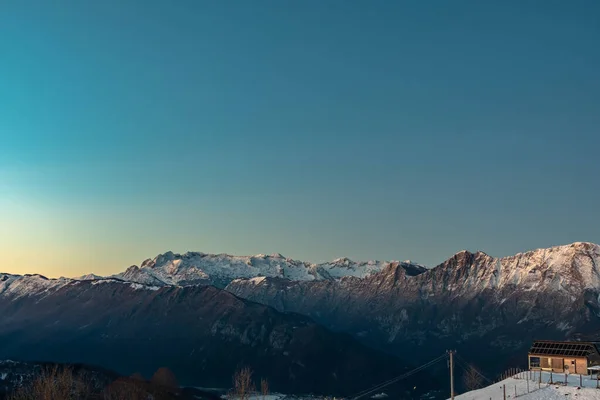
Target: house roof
column 572, row 349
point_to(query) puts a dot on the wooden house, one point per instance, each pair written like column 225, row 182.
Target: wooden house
column 564, row 357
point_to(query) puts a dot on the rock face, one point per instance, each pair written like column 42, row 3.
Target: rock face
column 488, row 308
column 201, row 333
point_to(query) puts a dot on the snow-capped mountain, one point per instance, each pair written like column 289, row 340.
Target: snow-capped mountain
column 194, row 268
column 17, row 286
column 574, row 267
column 570, row 266
column 486, row 306
column 471, row 301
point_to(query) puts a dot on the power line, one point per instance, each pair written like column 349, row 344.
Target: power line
column 466, row 366
column 397, row 379
column 461, row 362
column 469, row 366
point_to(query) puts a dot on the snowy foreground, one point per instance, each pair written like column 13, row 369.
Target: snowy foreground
column 278, row 396
column 537, row 391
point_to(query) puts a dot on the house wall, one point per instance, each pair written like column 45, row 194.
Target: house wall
column 581, row 366
column 576, row 365
column 546, row 363
column 558, row 364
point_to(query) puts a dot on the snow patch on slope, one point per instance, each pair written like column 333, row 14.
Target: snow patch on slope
column 133, row 285
column 88, row 277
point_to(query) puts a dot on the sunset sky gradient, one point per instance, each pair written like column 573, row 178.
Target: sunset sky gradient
column 316, row 129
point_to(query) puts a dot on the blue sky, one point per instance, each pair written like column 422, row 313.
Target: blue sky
column 317, row 129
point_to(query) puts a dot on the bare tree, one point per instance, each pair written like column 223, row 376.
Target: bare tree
column 242, row 384
column 53, row 383
column 472, row 379
column 264, row 388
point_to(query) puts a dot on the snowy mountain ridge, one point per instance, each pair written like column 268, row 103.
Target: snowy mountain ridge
column 23, row 285
column 17, row 286
column 193, row 268
column 574, row 267
column 569, row 267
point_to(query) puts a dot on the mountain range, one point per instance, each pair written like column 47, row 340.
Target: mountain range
column 383, row 313
column 202, row 333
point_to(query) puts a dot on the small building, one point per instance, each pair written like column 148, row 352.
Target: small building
column 564, row 357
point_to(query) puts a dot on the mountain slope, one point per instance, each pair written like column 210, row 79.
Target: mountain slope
column 200, row 332
column 472, row 301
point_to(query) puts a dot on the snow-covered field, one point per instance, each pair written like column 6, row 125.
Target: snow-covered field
column 532, row 390
column 278, row 396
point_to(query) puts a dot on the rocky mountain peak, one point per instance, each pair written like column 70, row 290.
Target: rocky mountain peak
column 465, row 259
column 342, row 260
column 586, row 246
column 396, row 271
column 166, row 257
column 571, row 267
column 133, row 269
column 149, row 263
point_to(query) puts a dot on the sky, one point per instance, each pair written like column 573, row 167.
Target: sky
column 316, row 129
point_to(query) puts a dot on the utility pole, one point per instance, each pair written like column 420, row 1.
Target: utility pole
column 451, row 354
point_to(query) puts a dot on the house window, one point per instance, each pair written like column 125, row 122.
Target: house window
column 573, row 362
column 534, row 362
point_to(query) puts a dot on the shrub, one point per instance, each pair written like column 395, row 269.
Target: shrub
column 164, row 377
column 125, row 389
column 137, row 377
